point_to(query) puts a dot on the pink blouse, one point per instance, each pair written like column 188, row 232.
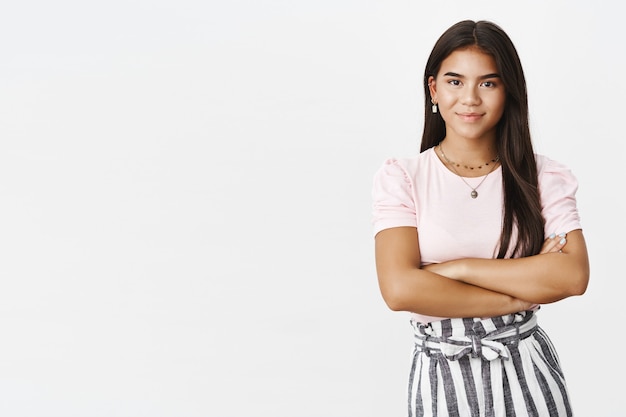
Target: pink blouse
column 421, row 192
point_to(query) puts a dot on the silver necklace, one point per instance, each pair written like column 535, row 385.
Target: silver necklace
column 474, row 193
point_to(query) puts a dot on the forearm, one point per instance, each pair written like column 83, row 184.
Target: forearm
column 539, row 279
column 423, row 292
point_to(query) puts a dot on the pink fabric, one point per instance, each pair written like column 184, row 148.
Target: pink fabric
column 421, row 192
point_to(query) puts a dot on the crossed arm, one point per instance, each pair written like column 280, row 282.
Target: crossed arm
column 477, row 287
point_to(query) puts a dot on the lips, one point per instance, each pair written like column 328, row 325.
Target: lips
column 470, row 117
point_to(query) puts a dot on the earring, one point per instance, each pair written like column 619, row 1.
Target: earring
column 434, row 108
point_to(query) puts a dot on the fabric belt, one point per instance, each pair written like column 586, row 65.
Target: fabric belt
column 476, row 342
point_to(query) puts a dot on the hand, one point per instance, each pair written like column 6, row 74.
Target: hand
column 554, row 243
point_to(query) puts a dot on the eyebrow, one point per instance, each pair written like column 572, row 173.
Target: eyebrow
column 482, row 77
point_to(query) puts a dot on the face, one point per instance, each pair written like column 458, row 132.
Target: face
column 470, row 94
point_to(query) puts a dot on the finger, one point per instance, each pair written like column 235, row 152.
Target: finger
column 561, row 243
column 554, row 243
column 558, row 243
column 549, row 244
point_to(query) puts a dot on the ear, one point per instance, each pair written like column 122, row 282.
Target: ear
column 432, row 86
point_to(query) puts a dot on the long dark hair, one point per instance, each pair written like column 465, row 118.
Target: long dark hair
column 522, row 207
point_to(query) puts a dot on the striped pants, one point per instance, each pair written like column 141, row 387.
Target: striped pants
column 503, row 366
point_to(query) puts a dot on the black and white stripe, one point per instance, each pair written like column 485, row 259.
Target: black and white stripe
column 500, row 367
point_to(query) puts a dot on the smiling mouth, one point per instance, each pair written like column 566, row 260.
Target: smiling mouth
column 470, row 117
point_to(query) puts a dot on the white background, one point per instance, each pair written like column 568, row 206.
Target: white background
column 185, row 199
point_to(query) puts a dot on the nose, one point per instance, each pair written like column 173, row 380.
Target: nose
column 470, row 96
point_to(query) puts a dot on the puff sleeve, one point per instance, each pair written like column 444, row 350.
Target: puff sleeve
column 557, row 188
column 393, row 199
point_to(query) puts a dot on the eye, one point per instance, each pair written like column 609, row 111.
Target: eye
column 489, row 84
column 455, row 83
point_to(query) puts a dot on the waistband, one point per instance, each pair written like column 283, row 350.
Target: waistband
column 485, row 338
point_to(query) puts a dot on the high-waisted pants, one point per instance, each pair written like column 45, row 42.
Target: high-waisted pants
column 498, row 367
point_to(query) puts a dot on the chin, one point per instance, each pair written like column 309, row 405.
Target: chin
column 474, row 134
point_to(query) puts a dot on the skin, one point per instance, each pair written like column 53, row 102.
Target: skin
column 471, row 98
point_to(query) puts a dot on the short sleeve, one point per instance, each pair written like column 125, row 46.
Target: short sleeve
column 393, row 201
column 558, row 187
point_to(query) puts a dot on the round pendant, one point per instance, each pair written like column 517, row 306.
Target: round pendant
column 474, row 194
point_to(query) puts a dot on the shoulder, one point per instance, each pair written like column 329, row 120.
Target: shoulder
column 557, row 189
column 552, row 171
column 406, row 167
column 393, row 193
column 548, row 165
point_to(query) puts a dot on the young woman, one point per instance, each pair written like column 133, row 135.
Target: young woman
column 474, row 233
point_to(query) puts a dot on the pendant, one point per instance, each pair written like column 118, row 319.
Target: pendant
column 474, row 194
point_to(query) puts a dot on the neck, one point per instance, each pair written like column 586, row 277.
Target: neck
column 469, row 152
column 468, row 161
